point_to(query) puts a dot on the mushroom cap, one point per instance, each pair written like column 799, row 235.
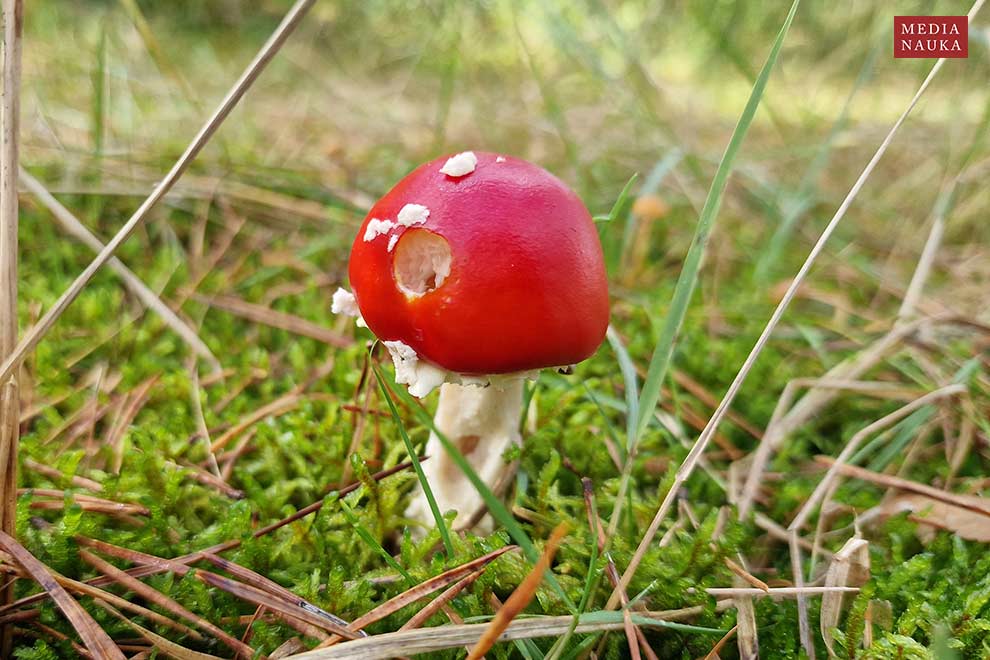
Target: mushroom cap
column 526, row 286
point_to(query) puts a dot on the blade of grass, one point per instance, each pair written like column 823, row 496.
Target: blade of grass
column 366, row 536
column 621, row 208
column 417, row 467
column 621, row 205
column 650, row 186
column 628, row 370
column 801, row 200
column 688, row 278
column 694, row 456
column 594, row 572
column 629, row 378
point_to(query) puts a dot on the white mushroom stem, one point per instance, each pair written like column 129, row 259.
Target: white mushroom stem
column 482, row 422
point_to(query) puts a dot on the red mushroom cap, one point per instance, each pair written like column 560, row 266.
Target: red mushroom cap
column 526, row 287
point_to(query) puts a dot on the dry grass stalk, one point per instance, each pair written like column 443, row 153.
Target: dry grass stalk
column 978, row 505
column 97, row 641
column 275, row 319
column 699, row 391
column 821, row 392
column 289, row 647
column 208, row 479
column 850, row 567
column 278, row 604
column 273, row 603
column 746, row 576
column 720, row 644
column 166, row 646
column 438, row 603
column 438, row 638
column 84, row 589
column 745, row 630
column 774, row 592
column 817, row 496
column 196, row 400
column 10, row 114
column 135, row 402
column 75, row 228
column 54, row 500
column 249, row 577
column 521, row 597
column 152, row 565
column 230, row 458
column 922, row 270
column 277, row 407
column 423, row 589
column 254, row 69
column 161, row 600
column 694, row 456
column 59, row 478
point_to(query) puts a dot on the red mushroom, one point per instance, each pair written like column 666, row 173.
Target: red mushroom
column 474, row 270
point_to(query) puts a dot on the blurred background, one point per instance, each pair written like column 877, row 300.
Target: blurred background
column 593, row 91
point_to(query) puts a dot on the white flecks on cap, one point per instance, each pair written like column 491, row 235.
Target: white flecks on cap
column 500, row 159
column 344, row 303
column 421, row 377
column 412, row 214
column 460, row 164
column 392, row 240
column 376, row 228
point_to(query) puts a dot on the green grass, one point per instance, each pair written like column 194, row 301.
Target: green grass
column 594, row 92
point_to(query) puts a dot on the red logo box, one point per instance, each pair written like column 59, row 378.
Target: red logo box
column 931, row 36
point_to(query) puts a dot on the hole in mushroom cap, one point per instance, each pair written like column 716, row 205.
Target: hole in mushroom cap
column 422, row 262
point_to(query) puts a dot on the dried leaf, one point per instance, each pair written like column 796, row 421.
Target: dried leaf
column 965, row 523
column 850, row 567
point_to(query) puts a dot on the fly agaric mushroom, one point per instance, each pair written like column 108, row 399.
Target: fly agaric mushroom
column 475, row 270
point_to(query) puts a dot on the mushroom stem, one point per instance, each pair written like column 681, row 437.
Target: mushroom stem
column 482, row 422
